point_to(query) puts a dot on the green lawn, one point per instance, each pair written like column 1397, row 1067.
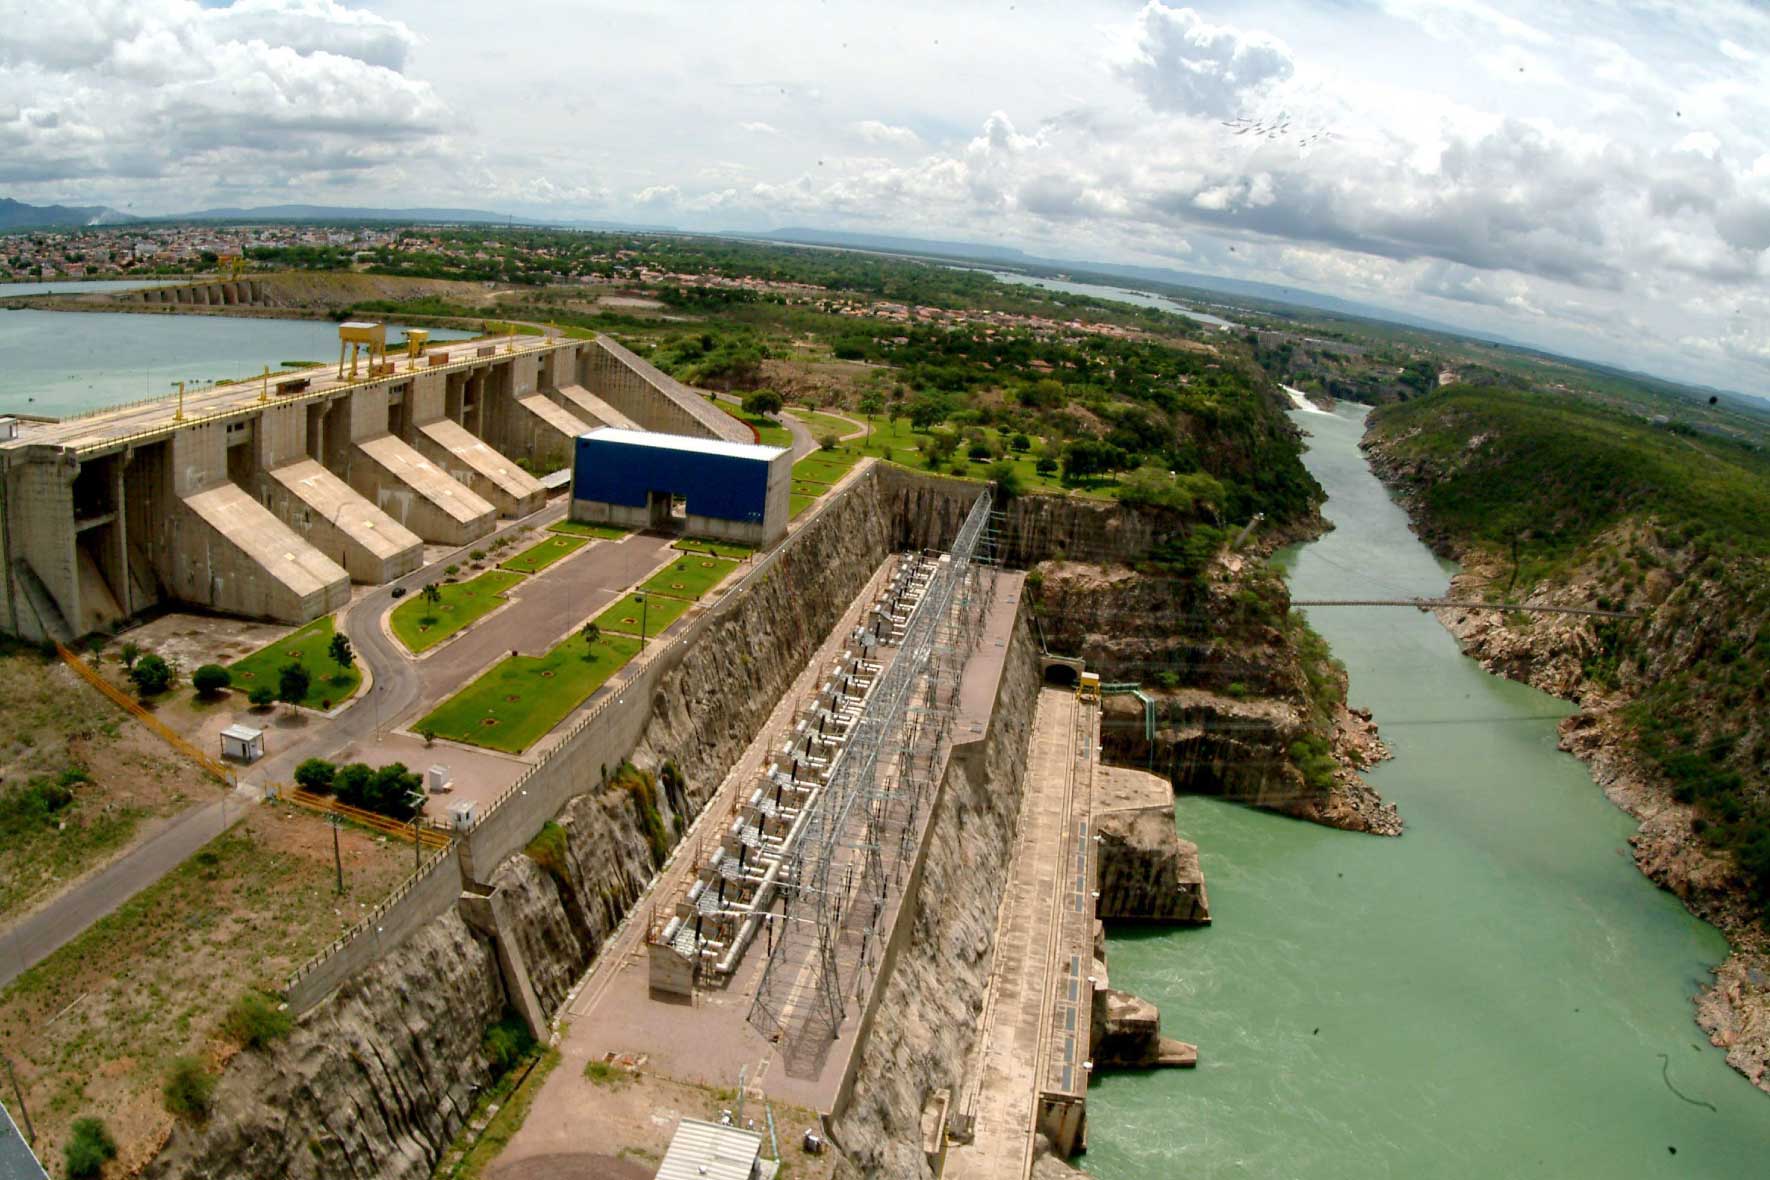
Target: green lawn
column 577, row 528
column 809, row 490
column 419, row 626
column 523, row 697
column 825, row 466
column 769, row 433
column 627, row 616
column 822, row 424
column 799, row 504
column 893, row 439
column 542, row 554
column 717, row 548
column 690, row 577
column 308, row 645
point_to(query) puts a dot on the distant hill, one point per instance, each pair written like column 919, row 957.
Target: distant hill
column 18, row 215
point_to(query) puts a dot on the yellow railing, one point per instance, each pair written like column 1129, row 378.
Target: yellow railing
column 222, row 772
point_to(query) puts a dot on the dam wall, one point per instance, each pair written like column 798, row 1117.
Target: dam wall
column 387, row 1051
column 98, row 522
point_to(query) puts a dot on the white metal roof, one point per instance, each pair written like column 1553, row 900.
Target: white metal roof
column 710, row 1151
column 242, row 733
column 683, row 442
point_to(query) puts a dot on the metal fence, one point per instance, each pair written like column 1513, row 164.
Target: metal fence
column 219, row 770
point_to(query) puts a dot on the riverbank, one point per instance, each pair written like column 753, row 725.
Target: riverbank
column 1554, row 655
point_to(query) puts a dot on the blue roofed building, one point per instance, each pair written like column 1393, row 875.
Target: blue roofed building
column 698, row 486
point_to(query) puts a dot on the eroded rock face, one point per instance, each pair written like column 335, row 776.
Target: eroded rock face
column 927, row 1021
column 1147, row 873
column 374, row 1082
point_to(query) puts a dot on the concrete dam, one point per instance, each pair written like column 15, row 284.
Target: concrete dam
column 268, row 497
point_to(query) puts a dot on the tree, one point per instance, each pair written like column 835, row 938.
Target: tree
column 130, row 653
column 210, row 679
column 293, row 681
column 151, row 674
column 929, row 409
column 830, row 440
column 315, row 774
column 1020, row 443
column 763, row 403
column 340, row 651
column 1045, row 465
column 591, row 633
column 262, row 697
column 1006, row 477
column 871, row 405
column 351, row 782
column 432, row 594
column 1088, row 456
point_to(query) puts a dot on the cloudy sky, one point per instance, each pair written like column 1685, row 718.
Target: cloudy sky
column 1590, row 177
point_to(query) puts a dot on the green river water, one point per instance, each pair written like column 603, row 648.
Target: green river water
column 1488, row 995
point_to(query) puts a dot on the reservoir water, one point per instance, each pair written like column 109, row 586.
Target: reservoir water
column 1117, row 294
column 59, row 363
column 1488, row 996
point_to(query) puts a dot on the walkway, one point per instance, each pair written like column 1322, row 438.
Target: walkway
column 62, row 920
column 1007, row 1073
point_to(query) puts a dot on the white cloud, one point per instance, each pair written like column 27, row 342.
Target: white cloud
column 1179, row 62
column 756, row 127
column 873, row 131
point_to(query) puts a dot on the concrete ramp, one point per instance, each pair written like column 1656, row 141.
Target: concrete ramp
column 596, row 411
column 417, row 493
column 99, row 610
column 234, row 555
column 553, row 426
column 373, row 546
column 470, row 461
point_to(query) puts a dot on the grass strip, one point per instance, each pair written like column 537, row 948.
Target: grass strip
column 520, row 698
column 689, row 577
column 420, row 626
column 542, row 554
column 308, row 646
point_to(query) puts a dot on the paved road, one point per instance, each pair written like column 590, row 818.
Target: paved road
column 58, row 923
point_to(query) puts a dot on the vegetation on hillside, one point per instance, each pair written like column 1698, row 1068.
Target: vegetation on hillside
column 1641, row 517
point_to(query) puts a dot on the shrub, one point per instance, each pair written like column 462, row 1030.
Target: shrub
column 151, row 675
column 1045, row 465
column 1006, row 477
column 507, row 1043
column 210, row 679
column 188, row 1089
column 256, row 1020
column 829, row 440
column 315, row 774
column 88, row 1148
column 262, row 697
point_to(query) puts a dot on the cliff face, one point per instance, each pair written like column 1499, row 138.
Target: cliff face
column 372, row 1083
column 927, row 1021
column 1147, row 873
column 1693, row 620
column 1240, row 704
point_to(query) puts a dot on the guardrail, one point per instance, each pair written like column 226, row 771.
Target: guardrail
column 431, row 835
column 219, row 770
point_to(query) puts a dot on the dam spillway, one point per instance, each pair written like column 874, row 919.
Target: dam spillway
column 268, row 497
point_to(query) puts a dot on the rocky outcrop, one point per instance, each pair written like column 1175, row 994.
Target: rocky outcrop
column 1236, row 706
column 927, row 1021
column 1146, row 873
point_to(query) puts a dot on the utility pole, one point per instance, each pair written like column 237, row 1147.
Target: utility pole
column 337, row 821
column 642, row 607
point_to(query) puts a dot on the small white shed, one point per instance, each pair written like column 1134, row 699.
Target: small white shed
column 711, row 1151
column 242, row 743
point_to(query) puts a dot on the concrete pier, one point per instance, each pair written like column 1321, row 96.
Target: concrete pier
column 256, row 497
column 593, row 409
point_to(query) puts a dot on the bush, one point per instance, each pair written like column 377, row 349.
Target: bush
column 315, row 774
column 210, row 679
column 1046, row 466
column 507, row 1043
column 88, row 1148
column 151, row 675
column 262, row 697
column 188, row 1089
column 1006, row 477
column 388, row 790
column 256, row 1020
